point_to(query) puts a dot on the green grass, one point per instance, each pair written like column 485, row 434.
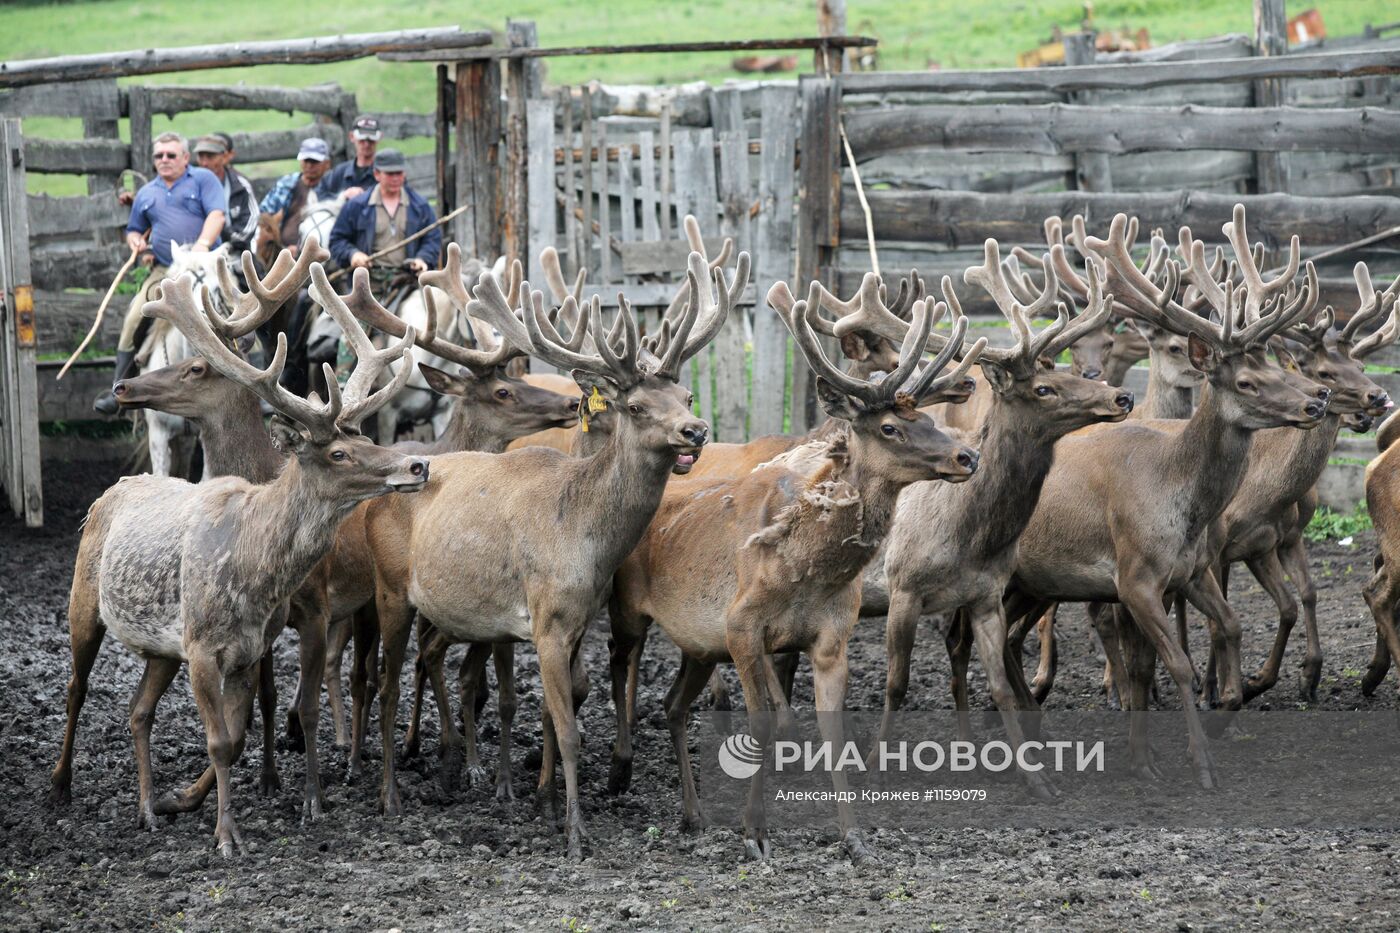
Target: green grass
column 913, row 36
column 1327, row 525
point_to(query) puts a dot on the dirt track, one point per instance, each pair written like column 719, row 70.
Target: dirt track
column 470, row 862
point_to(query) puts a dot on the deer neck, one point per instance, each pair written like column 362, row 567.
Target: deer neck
column 1302, row 456
column 992, row 508
column 1207, row 459
column 611, row 495
column 236, row 442
column 1165, row 400
column 878, row 496
column 466, row 433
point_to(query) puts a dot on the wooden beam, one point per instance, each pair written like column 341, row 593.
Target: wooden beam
column 961, row 219
column 171, row 99
column 19, row 342
column 773, row 254
column 1270, row 41
column 57, row 268
column 275, row 145
column 738, row 45
column 49, row 215
column 76, row 156
column 1347, row 64
column 312, row 51
column 1055, row 129
column 478, row 143
column 1091, row 171
column 819, row 221
column 63, row 99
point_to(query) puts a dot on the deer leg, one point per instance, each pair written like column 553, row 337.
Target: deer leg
column 1294, row 554
column 900, row 625
column 1184, row 639
column 786, row 667
column 503, row 653
column 312, row 621
column 745, row 642
column 557, row 644
column 337, row 637
column 364, row 627
column 1269, row 572
column 988, row 624
column 428, row 639
column 470, row 679
column 628, row 633
column 85, row 632
column 205, row 679
column 1140, row 669
column 1203, row 592
column 450, row 740
column 830, row 673
column 395, row 628
column 690, row 681
column 269, row 783
column 1382, row 593
column 634, row 671
column 1143, row 599
column 958, row 641
column 1049, row 655
column 155, row 680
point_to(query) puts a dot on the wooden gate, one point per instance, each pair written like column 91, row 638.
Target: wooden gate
column 19, row 400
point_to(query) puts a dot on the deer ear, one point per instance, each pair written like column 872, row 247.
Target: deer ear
column 1046, row 361
column 591, row 382
column 440, row 382
column 287, row 435
column 1201, row 354
column 1285, row 358
column 1145, row 330
column 854, row 347
column 836, row 403
column 997, row 376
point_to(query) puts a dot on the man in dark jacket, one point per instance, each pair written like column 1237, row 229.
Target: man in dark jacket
column 354, row 176
column 241, row 221
column 383, row 216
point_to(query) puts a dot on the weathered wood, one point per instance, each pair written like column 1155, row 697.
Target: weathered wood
column 171, row 99
column 627, row 198
column 962, row 218
column 1053, row 129
column 398, row 125
column 571, row 232
column 98, row 98
column 664, row 202
column 443, row 170
column 540, row 180
column 478, row 229
column 604, row 209
column 1270, row 41
column 76, row 156
column 739, row 45
column 649, row 294
column 57, row 268
column 1153, row 74
column 71, row 399
column 773, row 256
column 661, row 257
column 731, row 358
column 18, row 345
column 49, row 215
column 63, row 319
column 276, row 145
column 514, row 236
column 1091, row 171
column 696, row 193
column 819, row 222
column 651, row 230
column 586, row 170
column 522, row 34
column 139, row 110
column 318, row 50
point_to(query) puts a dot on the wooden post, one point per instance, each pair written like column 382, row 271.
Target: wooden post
column 664, row 203
column 542, row 231
column 819, row 213
column 520, row 34
column 1270, row 40
column 696, row 194
column 139, row 112
column 831, row 21
column 773, row 256
column 586, row 169
column 442, row 121
column 1091, row 170
column 604, row 209
column 731, row 369
column 478, row 229
column 576, row 259
column 18, row 344
column 650, row 228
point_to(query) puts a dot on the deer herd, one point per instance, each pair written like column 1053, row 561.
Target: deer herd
column 981, row 486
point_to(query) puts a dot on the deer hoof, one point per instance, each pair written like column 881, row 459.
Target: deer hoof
column 757, row 848
column 389, row 803
column 694, row 822
column 312, row 809
column 60, row 793
column 1309, row 679
column 269, row 783
column 859, row 852
column 146, row 817
column 619, row 775
column 477, row 774
column 504, row 791
column 175, row 802
column 547, row 804
column 410, row 746
column 296, row 736
column 450, row 769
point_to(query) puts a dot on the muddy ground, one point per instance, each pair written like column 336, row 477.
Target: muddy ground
column 469, row 862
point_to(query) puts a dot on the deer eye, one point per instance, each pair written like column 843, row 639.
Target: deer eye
column 196, row 370
column 889, row 430
column 1043, row 391
column 635, row 409
column 1245, row 385
column 1175, row 351
column 503, row 393
column 339, row 456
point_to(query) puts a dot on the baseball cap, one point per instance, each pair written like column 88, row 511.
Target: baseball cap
column 212, row 145
column 389, row 160
column 315, row 149
column 366, row 128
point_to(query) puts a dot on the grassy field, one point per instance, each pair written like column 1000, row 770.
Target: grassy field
column 913, row 36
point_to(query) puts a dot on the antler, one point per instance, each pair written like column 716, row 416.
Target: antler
column 255, row 307
column 1372, row 307
column 677, row 308
column 707, row 305
column 866, row 312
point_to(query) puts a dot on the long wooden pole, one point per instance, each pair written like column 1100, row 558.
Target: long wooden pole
column 406, row 240
column 101, row 310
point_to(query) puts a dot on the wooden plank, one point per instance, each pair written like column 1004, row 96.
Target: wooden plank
column 664, row 203
column 278, row 145
column 604, row 209
column 571, row 231
column 731, row 355
column 1054, row 129
column 49, row 215
column 318, row 50
column 818, row 218
column 586, row 170
column 97, row 98
column 478, row 123
column 1346, row 64
column 16, row 286
column 959, row 218
column 661, row 257
column 63, row 319
column 627, row 197
column 1270, row 41
column 542, row 206
column 1091, row 171
column 651, row 230
column 71, row 399
column 514, row 235
column 696, row 194
column 443, row 170
column 139, row 110
column 76, row 156
column 773, row 255
column 522, row 34
column 57, row 268
column 400, row 125
column 171, row 99
column 737, row 45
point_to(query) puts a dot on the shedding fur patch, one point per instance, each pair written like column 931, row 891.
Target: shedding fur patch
column 826, row 497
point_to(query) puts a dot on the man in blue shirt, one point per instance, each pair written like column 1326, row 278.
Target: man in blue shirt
column 180, row 205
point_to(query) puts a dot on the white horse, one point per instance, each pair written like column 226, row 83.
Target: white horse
column 169, row 438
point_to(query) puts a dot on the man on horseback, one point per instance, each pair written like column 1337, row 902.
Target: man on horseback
column 290, row 195
column 241, row 223
column 354, row 176
column 180, row 205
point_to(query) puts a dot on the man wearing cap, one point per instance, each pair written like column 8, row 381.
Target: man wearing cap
column 383, row 216
column 291, row 193
column 352, row 178
column 180, row 205
column 241, row 223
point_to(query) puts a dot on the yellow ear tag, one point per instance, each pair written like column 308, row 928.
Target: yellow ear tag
column 583, row 422
column 596, row 402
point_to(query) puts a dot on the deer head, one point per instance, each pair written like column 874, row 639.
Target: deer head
column 324, row 438
column 889, row 434
column 1229, row 349
column 190, row 389
column 869, row 351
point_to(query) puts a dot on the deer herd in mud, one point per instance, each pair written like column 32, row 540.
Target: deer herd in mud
column 980, row 485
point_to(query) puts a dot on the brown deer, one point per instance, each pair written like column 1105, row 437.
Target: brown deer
column 952, row 552
column 543, row 532
column 1102, row 533
column 770, row 562
column 201, row 573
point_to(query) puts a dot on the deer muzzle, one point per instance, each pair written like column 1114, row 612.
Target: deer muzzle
column 411, row 477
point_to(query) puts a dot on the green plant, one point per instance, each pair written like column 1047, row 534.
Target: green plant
column 900, row 893
column 131, row 282
column 1329, row 525
column 574, row 924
